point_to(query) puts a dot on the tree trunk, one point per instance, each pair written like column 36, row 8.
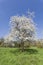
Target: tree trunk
column 22, row 46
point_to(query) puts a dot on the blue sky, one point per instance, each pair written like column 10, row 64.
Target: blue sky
column 10, row 8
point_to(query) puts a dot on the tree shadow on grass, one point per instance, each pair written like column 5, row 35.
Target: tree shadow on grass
column 31, row 51
column 28, row 51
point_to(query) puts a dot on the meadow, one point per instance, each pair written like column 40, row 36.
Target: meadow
column 14, row 56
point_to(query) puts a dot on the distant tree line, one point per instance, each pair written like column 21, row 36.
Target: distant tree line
column 36, row 43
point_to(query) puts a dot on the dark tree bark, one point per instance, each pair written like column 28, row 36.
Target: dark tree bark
column 22, row 45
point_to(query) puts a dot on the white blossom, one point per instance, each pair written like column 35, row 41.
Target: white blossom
column 21, row 28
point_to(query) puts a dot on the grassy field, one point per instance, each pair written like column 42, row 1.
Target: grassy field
column 14, row 56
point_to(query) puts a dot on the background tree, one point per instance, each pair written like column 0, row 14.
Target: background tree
column 1, row 41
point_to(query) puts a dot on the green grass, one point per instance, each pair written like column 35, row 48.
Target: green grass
column 14, row 56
